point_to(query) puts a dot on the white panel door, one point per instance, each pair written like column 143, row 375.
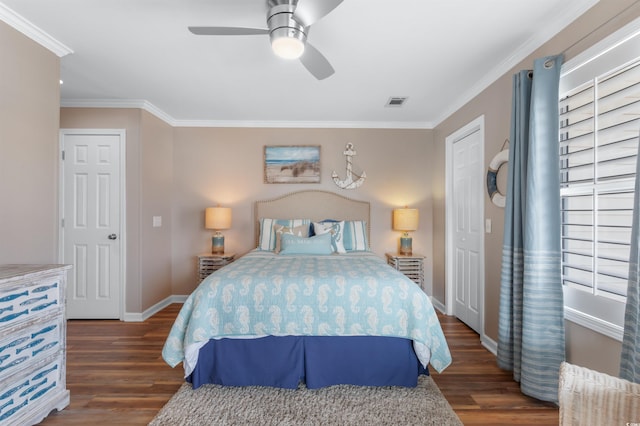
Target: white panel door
column 467, row 229
column 91, row 232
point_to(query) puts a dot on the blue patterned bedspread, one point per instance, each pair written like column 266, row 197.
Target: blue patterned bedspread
column 339, row 295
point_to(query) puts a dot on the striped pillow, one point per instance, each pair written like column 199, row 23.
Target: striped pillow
column 355, row 235
column 267, row 240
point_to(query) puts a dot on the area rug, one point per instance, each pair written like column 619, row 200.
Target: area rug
column 335, row 405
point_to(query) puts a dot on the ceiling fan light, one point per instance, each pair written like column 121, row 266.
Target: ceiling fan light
column 287, row 47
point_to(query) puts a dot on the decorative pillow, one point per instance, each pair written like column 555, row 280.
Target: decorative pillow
column 335, row 230
column 355, row 235
column 300, row 231
column 318, row 245
column 267, row 240
column 312, row 231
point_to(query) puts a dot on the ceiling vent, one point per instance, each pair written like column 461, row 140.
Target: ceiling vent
column 396, row 101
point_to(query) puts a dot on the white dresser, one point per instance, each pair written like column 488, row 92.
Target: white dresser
column 32, row 342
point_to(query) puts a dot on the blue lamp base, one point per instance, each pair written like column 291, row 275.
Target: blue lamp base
column 217, row 243
column 405, row 245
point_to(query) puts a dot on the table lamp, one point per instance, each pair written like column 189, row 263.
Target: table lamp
column 217, row 218
column 406, row 220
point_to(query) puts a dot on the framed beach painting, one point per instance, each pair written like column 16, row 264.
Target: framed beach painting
column 292, row 164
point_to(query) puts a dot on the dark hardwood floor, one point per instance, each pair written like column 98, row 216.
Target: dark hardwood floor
column 116, row 375
column 479, row 391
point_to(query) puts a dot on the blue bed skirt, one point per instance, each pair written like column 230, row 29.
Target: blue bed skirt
column 318, row 361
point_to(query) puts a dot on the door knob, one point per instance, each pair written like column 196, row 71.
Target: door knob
column 113, row 236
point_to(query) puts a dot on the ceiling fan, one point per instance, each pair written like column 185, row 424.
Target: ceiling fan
column 288, row 23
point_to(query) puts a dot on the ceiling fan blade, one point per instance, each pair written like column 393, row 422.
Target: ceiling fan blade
column 316, row 63
column 227, row 31
column 310, row 11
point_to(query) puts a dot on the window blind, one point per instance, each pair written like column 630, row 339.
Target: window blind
column 599, row 128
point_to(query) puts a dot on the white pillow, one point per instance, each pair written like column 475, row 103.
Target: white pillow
column 335, row 229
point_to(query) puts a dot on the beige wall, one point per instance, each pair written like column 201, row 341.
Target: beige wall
column 225, row 166
column 29, row 108
column 156, row 177
column 494, row 103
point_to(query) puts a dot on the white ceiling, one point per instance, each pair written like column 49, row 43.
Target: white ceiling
column 438, row 53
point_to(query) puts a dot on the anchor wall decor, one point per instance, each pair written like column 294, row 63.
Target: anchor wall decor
column 348, row 182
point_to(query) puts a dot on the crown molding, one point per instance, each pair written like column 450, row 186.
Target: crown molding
column 152, row 109
column 119, row 103
column 34, row 33
column 562, row 19
column 306, row 124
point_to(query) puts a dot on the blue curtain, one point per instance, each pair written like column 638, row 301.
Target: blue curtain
column 630, row 357
column 531, row 321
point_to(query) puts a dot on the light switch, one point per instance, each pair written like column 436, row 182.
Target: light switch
column 157, row 221
column 487, row 226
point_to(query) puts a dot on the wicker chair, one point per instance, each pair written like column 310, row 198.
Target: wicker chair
column 587, row 397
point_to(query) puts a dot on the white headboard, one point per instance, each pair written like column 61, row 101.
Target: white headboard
column 312, row 204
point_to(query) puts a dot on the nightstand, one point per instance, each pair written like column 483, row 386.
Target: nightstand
column 412, row 266
column 209, row 263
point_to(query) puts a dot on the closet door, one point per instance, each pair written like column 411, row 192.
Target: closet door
column 91, row 231
column 467, row 238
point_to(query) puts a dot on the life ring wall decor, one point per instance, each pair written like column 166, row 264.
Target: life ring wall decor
column 492, row 174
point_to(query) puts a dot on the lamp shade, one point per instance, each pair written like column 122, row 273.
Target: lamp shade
column 405, row 219
column 217, row 218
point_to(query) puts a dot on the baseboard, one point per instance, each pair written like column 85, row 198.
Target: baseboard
column 438, row 305
column 490, row 344
column 139, row 317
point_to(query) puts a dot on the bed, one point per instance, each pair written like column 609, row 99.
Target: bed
column 311, row 304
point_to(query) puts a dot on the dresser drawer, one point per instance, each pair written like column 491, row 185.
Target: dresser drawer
column 21, row 301
column 32, row 342
column 29, row 344
column 42, row 384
